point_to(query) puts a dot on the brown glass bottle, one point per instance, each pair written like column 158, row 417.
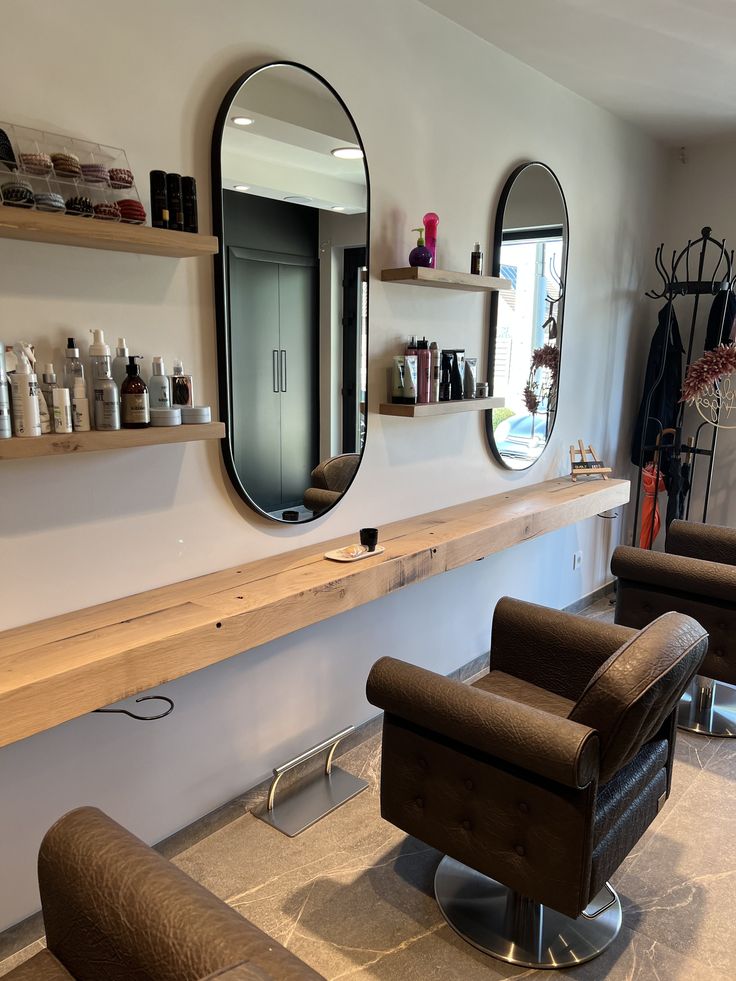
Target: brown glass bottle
column 134, row 398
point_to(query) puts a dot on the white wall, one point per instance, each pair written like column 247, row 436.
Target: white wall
column 78, row 531
column 701, row 191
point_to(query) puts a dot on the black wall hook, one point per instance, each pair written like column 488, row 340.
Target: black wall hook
column 143, row 718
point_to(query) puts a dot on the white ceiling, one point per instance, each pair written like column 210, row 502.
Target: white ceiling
column 669, row 66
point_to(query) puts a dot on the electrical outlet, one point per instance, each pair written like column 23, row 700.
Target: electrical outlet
column 577, row 561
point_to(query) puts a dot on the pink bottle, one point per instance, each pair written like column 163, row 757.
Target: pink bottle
column 431, row 221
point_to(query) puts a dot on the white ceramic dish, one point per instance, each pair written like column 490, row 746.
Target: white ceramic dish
column 338, row 554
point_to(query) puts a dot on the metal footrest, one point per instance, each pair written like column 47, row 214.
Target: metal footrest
column 708, row 707
column 311, row 799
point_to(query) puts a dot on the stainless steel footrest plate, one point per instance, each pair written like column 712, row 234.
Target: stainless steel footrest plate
column 708, row 707
column 500, row 923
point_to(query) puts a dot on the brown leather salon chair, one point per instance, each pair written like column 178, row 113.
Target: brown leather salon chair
column 539, row 778
column 115, row 910
column 695, row 575
column 330, row 479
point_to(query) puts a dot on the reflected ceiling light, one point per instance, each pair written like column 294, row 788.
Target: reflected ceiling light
column 242, row 120
column 298, row 199
column 242, row 187
column 347, row 152
column 337, row 207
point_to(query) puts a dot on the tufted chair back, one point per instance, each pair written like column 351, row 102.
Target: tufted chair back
column 711, row 543
column 631, row 695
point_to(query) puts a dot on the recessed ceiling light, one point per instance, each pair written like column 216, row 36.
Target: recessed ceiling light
column 242, row 187
column 347, row 152
column 298, row 199
column 337, row 207
column 242, row 120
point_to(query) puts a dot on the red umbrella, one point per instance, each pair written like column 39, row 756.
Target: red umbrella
column 650, row 509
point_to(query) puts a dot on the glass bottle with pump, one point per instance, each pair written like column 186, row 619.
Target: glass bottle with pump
column 134, row 398
column 182, row 390
column 73, row 367
column 120, row 362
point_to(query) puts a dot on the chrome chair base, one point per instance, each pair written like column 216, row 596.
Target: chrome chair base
column 708, row 707
column 510, row 927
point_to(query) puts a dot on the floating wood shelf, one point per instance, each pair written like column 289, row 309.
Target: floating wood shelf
column 59, row 669
column 441, row 279
column 438, row 408
column 58, row 445
column 92, row 233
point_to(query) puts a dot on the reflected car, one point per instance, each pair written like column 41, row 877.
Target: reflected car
column 522, row 437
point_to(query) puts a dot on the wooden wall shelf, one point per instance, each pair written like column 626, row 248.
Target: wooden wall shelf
column 438, row 408
column 58, row 669
column 441, row 279
column 92, row 233
column 58, row 445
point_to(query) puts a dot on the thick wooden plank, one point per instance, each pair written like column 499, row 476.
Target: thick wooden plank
column 438, row 408
column 91, row 442
column 444, row 279
column 58, row 669
column 92, row 233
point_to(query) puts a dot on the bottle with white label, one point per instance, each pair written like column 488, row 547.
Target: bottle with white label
column 62, row 411
column 43, row 409
column 159, row 386
column 26, row 412
column 47, row 386
column 80, row 408
column 6, row 421
column 134, row 398
column 106, row 399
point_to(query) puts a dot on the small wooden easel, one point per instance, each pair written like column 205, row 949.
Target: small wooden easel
column 588, row 465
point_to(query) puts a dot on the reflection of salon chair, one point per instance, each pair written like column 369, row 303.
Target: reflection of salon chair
column 542, row 775
column 696, row 575
column 115, row 909
column 330, row 480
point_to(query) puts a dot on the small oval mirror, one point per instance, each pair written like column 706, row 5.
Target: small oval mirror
column 530, row 250
column 290, row 207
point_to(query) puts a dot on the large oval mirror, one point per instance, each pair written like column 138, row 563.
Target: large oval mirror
column 290, row 207
column 530, row 250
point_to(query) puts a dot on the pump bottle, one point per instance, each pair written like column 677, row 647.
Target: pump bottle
column 43, row 409
column 73, row 367
column 182, row 389
column 47, row 386
column 120, row 363
column 134, row 397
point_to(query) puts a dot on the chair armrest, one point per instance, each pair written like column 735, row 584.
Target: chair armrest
column 113, row 905
column 545, row 744
column 712, row 543
column 557, row 651
column 675, row 574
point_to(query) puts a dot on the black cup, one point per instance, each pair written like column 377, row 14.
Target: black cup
column 369, row 538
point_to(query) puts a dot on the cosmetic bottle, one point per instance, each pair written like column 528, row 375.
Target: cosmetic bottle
column 434, row 383
column 173, row 194
column 26, row 413
column 182, row 389
column 410, row 378
column 134, row 398
column 457, row 375
column 120, row 362
column 471, row 377
column 445, row 376
column 105, row 394
column 476, row 261
column 6, row 422
column 47, row 386
column 80, row 408
column 43, row 409
column 397, row 380
column 159, row 201
column 159, row 386
column 431, row 221
column 420, row 256
column 62, row 411
column 189, row 204
column 424, row 371
column 73, row 367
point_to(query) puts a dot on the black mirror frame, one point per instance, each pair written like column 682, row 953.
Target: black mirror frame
column 493, row 320
column 220, row 283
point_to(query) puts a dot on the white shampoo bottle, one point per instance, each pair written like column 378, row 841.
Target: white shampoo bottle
column 26, row 412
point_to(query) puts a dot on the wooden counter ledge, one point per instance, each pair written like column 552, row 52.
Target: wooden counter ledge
column 58, row 669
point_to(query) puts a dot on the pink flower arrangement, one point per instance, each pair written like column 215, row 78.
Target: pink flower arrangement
column 704, row 373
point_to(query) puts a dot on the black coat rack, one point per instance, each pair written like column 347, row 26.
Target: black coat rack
column 670, row 441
